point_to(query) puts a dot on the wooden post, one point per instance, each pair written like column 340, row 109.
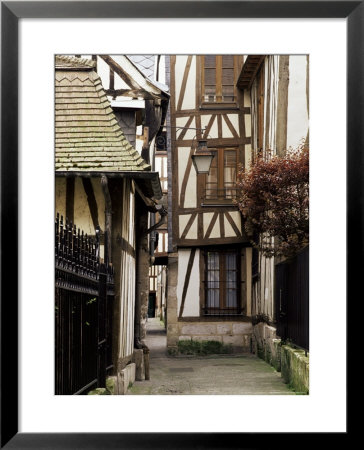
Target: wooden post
column 108, row 220
column 146, row 362
column 101, row 340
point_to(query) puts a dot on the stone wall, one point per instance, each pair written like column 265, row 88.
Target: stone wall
column 267, row 345
column 295, row 368
column 236, row 334
column 172, row 327
column 290, row 361
column 117, row 384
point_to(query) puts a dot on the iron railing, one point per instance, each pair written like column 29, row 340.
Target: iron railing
column 292, row 299
column 83, row 311
column 222, row 298
column 220, row 195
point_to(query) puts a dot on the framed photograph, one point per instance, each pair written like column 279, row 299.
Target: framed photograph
column 74, row 40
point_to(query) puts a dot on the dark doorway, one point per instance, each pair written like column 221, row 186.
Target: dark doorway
column 151, row 304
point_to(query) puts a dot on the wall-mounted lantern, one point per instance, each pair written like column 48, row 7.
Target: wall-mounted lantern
column 202, row 158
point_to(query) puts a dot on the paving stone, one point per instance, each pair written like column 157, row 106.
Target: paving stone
column 210, row 375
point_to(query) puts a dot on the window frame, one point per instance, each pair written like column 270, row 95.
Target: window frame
column 205, row 104
column 223, row 310
column 221, row 200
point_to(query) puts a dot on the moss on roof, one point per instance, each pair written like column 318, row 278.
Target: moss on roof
column 87, row 135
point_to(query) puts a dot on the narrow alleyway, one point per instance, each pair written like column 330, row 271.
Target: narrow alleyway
column 217, row 374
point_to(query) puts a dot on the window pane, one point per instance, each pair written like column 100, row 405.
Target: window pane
column 212, row 180
column 228, row 90
column 228, row 93
column 210, row 85
column 230, row 280
column 222, row 283
column 230, row 173
column 210, row 93
column 213, row 291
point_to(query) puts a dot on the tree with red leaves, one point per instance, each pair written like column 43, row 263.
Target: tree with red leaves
column 274, row 201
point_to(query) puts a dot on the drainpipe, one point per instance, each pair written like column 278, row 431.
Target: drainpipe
column 108, row 220
column 163, row 212
column 152, row 215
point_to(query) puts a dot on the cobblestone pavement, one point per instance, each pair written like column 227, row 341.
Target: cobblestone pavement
column 210, row 375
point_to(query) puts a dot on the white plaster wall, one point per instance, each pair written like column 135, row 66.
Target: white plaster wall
column 207, row 217
column 119, row 83
column 215, row 232
column 248, row 155
column 236, row 216
column 272, row 77
column 248, row 125
column 182, row 122
column 183, row 219
column 205, row 119
column 162, row 69
column 297, row 101
column 183, row 155
column 103, row 71
column 229, row 232
column 158, row 165
column 100, row 200
column 226, row 133
column 191, row 191
column 254, row 115
column 131, row 237
column 192, row 300
column 190, row 194
column 234, row 119
column 60, row 196
column 192, row 232
column 82, row 216
column 127, row 293
column 127, row 305
column 179, row 71
column 189, row 99
column 138, row 145
column 247, row 101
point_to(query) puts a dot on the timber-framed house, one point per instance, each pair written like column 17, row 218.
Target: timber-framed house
column 106, row 187
column 209, row 270
column 278, row 87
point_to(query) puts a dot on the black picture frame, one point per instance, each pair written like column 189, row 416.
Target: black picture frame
column 11, row 12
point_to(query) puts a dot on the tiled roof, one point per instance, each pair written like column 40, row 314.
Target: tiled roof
column 145, row 63
column 87, row 135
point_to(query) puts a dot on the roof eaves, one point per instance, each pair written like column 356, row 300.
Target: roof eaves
column 249, row 71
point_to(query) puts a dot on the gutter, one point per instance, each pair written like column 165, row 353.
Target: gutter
column 163, row 212
column 151, row 186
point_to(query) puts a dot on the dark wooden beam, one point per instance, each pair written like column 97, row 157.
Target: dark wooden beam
column 250, row 69
column 187, row 280
column 91, row 200
column 70, row 198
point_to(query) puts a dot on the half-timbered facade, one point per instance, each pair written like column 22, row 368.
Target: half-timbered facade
column 209, row 280
column 103, row 183
column 135, row 87
column 278, row 87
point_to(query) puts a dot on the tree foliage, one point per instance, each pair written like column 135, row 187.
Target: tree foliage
column 273, row 198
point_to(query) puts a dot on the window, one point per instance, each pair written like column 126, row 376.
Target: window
column 218, row 79
column 161, row 142
column 222, row 285
column 220, row 186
